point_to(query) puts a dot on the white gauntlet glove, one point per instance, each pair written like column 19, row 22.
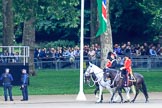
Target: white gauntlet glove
column 122, row 68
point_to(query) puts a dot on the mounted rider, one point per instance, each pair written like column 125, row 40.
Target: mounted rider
column 112, row 62
column 127, row 69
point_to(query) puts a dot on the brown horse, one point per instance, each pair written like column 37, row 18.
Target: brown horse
column 117, row 80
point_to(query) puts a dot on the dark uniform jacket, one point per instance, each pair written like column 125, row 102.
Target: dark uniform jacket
column 24, row 79
column 6, row 79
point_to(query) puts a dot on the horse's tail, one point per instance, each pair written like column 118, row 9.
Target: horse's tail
column 144, row 89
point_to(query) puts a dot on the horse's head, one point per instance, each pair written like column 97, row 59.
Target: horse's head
column 90, row 68
column 107, row 75
column 110, row 73
column 88, row 72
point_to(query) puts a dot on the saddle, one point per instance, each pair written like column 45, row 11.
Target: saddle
column 128, row 79
column 132, row 78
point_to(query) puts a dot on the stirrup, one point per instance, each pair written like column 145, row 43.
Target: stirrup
column 132, row 79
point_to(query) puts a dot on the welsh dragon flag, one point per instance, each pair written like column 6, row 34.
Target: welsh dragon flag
column 102, row 13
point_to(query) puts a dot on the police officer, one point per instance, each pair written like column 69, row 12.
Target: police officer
column 24, row 85
column 7, row 84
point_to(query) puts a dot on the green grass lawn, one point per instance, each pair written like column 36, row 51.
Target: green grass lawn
column 153, row 81
column 48, row 82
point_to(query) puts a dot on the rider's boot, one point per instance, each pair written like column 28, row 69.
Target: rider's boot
column 104, row 78
column 130, row 77
column 126, row 82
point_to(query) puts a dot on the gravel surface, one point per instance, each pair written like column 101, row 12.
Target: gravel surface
column 64, row 101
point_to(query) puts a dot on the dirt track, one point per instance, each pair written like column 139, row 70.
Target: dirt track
column 63, row 101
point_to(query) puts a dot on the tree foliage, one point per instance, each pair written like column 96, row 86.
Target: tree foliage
column 52, row 17
column 60, row 19
column 8, row 26
column 135, row 18
column 1, row 26
column 153, row 8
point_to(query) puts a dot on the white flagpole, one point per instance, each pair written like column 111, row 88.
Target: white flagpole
column 81, row 95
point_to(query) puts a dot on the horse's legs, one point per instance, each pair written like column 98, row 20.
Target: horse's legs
column 144, row 91
column 100, row 94
column 120, row 94
column 127, row 90
column 96, row 90
column 133, row 89
column 113, row 94
column 101, row 97
column 137, row 92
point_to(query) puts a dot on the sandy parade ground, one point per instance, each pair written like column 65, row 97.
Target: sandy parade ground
column 64, row 101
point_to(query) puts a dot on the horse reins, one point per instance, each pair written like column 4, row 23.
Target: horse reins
column 94, row 81
column 115, row 78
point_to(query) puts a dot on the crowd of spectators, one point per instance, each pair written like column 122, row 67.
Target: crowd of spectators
column 144, row 49
column 7, row 57
column 94, row 51
column 91, row 52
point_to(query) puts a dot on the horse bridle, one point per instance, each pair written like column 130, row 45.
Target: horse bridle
column 89, row 84
column 94, row 81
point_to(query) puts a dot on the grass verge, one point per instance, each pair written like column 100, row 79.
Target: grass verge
column 51, row 82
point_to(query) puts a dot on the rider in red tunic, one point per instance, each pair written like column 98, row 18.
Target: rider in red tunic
column 108, row 64
column 127, row 65
column 128, row 68
column 111, row 63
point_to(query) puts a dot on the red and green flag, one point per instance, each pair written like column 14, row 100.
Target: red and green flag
column 102, row 13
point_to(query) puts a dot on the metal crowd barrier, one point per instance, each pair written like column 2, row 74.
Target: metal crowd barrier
column 139, row 63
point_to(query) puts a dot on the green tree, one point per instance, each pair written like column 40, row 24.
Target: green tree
column 63, row 22
column 135, row 18
column 51, row 14
column 93, row 21
column 153, row 8
column 1, row 24
column 26, row 12
column 7, row 13
column 29, row 32
column 54, row 18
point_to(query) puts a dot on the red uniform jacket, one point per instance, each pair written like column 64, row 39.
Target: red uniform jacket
column 108, row 64
column 127, row 65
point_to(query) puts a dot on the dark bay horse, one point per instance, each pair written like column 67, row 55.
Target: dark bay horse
column 118, row 81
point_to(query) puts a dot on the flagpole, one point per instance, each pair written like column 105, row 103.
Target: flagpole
column 81, row 95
